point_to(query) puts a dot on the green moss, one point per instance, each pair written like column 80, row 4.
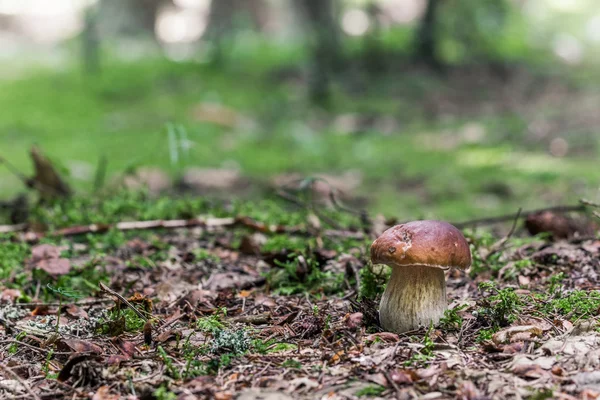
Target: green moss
column 370, row 391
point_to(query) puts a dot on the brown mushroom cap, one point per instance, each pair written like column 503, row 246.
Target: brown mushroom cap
column 426, row 243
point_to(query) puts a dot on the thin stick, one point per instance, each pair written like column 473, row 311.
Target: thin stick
column 394, row 385
column 589, row 203
column 20, row 380
column 13, row 228
column 108, row 290
column 496, row 247
column 510, row 217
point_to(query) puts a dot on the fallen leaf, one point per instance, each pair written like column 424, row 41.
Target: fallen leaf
column 55, row 266
column 103, row 393
column 388, row 337
column 44, row 251
column 10, row 294
column 516, row 334
column 82, row 346
column 529, row 371
column 401, row 376
column 468, row 391
column 47, row 258
column 354, row 320
column 226, row 395
column 378, row 378
column 76, row 312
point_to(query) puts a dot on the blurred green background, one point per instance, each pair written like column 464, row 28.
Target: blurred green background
column 447, row 109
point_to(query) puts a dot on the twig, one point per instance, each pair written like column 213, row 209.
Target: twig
column 589, row 203
column 111, row 292
column 391, row 381
column 499, row 245
column 13, row 228
column 510, row 217
column 77, row 303
column 20, row 380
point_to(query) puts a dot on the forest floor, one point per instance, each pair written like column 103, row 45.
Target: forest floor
column 279, row 301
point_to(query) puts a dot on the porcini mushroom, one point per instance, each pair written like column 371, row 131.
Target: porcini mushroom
column 418, row 253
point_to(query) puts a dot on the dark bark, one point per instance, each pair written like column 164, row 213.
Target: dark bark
column 324, row 31
column 223, row 20
column 128, row 17
column 426, row 40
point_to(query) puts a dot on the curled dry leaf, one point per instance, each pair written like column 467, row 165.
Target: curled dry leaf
column 76, row 312
column 47, row 258
column 81, row 346
column 468, row 391
column 533, row 371
column 401, row 376
column 378, row 378
column 103, row 393
column 517, row 334
column 10, row 295
column 388, row 337
column 354, row 320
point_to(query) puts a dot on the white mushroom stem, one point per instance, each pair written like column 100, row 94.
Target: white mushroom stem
column 414, row 297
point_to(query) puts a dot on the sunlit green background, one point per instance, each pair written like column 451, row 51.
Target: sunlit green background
column 511, row 121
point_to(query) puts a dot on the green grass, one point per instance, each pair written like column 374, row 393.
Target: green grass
column 124, row 113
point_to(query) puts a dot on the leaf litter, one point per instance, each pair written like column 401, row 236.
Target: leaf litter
column 218, row 311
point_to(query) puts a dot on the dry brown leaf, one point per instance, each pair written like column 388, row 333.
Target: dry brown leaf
column 10, row 295
column 103, row 393
column 529, row 371
column 378, row 378
column 47, row 258
column 468, row 391
column 354, row 320
column 517, row 333
column 76, row 312
column 82, row 346
column 55, row 266
column 387, row 337
column 44, row 251
column 401, row 376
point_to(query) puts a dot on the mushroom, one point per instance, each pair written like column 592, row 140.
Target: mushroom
column 418, row 253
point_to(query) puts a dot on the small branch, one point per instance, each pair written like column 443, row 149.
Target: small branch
column 510, row 217
column 499, row 245
column 589, row 203
column 13, row 228
column 20, row 380
column 111, row 292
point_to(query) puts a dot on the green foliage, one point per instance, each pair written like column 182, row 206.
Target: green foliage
column 117, row 321
column 300, row 274
column 172, row 370
column 285, row 242
column 577, row 304
column 501, row 307
column 203, row 255
column 291, row 363
column 425, row 353
column 370, row 391
column 485, row 335
column 12, row 259
column 163, row 393
column 451, row 321
column 210, row 324
column 372, row 284
column 555, row 288
column 46, row 366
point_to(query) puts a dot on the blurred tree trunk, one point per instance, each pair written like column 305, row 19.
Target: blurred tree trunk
column 426, row 40
column 90, row 42
column 227, row 16
column 325, row 42
column 128, row 17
